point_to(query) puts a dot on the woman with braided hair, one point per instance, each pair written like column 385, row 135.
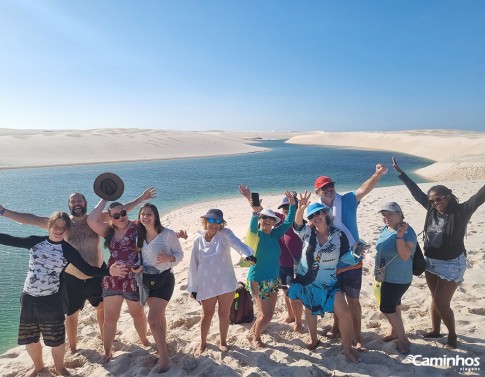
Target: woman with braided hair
column 444, row 248
column 316, row 282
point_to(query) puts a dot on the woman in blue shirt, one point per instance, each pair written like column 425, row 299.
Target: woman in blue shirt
column 395, row 248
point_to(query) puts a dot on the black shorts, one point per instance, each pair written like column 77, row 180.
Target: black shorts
column 350, row 282
column 391, row 295
column 287, row 275
column 41, row 315
column 163, row 284
column 75, row 292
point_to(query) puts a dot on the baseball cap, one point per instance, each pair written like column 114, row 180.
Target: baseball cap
column 391, row 206
column 322, row 181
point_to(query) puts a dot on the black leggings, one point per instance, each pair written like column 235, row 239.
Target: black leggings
column 391, row 295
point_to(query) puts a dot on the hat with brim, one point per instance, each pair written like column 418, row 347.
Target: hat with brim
column 315, row 207
column 214, row 213
column 391, row 207
column 108, row 186
column 270, row 213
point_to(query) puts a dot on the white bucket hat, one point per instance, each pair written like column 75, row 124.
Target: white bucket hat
column 270, row 213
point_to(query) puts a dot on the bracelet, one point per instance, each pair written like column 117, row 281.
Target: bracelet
column 399, row 238
column 2, row 212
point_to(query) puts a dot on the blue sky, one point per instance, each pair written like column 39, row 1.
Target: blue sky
column 242, row 65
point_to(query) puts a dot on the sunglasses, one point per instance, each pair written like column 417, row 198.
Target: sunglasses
column 264, row 217
column 216, row 221
column 118, row 215
column 436, row 200
column 328, row 186
column 319, row 212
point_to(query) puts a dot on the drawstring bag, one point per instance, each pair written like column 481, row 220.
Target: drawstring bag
column 419, row 264
column 376, row 287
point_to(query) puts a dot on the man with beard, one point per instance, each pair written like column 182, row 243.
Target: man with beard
column 78, row 287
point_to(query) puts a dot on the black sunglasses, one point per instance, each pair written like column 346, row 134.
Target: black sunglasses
column 438, row 199
column 116, row 216
column 264, row 217
column 328, row 186
column 314, row 214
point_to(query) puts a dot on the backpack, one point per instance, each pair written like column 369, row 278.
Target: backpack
column 242, row 306
column 419, row 264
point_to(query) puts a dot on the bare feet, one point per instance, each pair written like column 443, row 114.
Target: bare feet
column 433, row 334
column 359, row 347
column 258, row 344
column 73, row 348
column 403, row 346
column 351, row 356
column 313, row 345
column 389, row 338
column 200, row 349
column 298, row 327
column 333, row 333
column 145, row 342
column 163, row 367
column 106, row 358
column 33, row 372
column 452, row 341
column 224, row 347
column 63, row 372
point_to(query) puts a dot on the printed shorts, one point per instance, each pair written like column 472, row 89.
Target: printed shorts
column 451, row 270
column 350, row 282
column 41, row 315
column 265, row 288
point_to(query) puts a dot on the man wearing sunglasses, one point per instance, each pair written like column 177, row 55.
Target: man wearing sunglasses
column 344, row 208
column 78, row 287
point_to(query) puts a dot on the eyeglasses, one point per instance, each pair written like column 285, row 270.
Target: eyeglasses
column 118, row 215
column 264, row 217
column 319, row 212
column 212, row 221
column 436, row 200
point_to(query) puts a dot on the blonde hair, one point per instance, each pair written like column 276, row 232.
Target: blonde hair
column 204, row 223
column 59, row 216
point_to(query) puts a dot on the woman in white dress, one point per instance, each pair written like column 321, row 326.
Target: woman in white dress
column 160, row 251
column 211, row 274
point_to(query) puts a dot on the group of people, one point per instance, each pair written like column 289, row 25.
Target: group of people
column 317, row 261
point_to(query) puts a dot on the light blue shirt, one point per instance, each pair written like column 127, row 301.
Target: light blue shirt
column 398, row 271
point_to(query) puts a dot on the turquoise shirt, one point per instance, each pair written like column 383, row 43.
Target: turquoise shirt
column 398, row 271
column 268, row 252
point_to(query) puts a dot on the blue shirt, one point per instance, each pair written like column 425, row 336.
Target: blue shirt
column 398, row 271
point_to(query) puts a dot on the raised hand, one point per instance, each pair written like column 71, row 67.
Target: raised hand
column 304, row 200
column 396, row 166
column 381, row 169
column 182, row 234
column 149, row 193
column 291, row 197
column 245, row 191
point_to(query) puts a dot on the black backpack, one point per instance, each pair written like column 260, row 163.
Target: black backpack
column 419, row 264
column 242, row 306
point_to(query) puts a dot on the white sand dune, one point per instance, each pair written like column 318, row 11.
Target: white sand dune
column 286, row 354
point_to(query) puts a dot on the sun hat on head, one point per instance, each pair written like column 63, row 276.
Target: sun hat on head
column 391, row 206
column 214, row 213
column 315, row 207
column 284, row 202
column 322, row 181
column 270, row 213
column 108, row 186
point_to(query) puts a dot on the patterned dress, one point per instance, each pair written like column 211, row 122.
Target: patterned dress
column 124, row 250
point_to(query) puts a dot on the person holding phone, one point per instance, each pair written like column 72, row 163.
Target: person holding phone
column 211, row 277
column 444, row 248
column 41, row 307
column 395, row 249
column 263, row 277
column 160, row 251
column 120, row 234
column 315, row 284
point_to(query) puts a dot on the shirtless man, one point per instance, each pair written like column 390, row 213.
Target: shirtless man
column 78, row 287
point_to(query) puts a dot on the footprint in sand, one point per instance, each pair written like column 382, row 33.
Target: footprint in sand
column 478, row 311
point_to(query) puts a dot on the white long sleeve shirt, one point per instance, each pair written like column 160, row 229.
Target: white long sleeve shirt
column 211, row 272
column 165, row 242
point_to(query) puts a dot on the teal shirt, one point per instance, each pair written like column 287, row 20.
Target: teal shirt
column 398, row 271
column 268, row 252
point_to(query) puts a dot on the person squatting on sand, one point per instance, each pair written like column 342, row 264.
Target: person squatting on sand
column 444, row 248
column 160, row 251
column 291, row 246
column 395, row 250
column 263, row 277
column 77, row 287
column 315, row 282
column 41, row 308
column 120, row 238
column 211, row 277
column 344, row 210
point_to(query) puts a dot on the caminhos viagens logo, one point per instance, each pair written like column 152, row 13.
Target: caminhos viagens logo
column 463, row 364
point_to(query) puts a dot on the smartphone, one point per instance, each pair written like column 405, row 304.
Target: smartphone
column 255, row 199
column 360, row 247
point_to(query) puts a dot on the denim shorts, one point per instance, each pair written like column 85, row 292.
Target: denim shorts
column 131, row 296
column 350, row 282
column 451, row 270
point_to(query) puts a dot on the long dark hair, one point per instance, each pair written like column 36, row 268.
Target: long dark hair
column 142, row 231
column 111, row 228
